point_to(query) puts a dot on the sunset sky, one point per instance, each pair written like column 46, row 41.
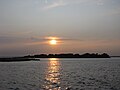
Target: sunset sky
column 78, row 26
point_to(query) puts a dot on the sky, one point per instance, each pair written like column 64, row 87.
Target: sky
column 80, row 26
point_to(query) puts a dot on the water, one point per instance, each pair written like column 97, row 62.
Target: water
column 61, row 74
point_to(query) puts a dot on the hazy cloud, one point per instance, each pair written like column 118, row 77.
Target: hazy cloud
column 60, row 3
column 112, row 12
column 54, row 5
column 9, row 39
column 42, row 39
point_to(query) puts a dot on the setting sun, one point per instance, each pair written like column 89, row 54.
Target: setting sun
column 53, row 42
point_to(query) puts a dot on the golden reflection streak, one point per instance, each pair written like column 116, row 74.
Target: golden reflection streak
column 52, row 78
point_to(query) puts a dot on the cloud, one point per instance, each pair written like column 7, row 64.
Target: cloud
column 12, row 40
column 100, row 2
column 61, row 3
column 46, row 1
column 43, row 39
column 112, row 12
column 54, row 5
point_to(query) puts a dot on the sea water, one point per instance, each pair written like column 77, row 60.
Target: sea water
column 61, row 74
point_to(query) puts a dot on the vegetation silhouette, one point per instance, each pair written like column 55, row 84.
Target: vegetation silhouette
column 16, row 59
column 70, row 55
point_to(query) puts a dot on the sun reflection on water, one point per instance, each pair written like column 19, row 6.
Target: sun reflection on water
column 52, row 78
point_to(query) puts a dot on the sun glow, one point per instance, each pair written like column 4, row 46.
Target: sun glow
column 53, row 42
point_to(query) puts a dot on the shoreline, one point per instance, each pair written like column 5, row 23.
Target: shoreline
column 68, row 55
column 17, row 59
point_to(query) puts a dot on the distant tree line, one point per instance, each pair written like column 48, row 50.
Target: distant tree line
column 70, row 55
column 16, row 59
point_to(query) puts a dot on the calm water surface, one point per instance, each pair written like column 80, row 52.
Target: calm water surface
column 61, row 74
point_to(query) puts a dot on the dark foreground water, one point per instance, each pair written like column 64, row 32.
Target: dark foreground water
column 61, row 74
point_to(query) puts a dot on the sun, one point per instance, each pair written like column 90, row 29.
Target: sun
column 53, row 42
